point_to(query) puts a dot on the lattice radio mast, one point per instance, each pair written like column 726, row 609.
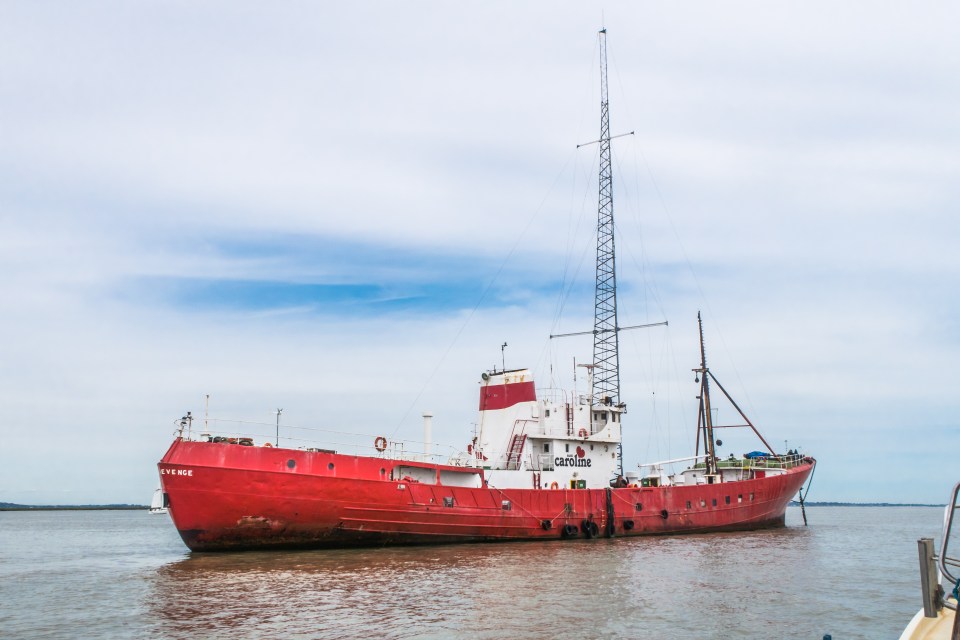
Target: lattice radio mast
column 606, row 352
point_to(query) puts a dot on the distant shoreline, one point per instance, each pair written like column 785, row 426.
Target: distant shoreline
column 9, row 506
column 795, row 503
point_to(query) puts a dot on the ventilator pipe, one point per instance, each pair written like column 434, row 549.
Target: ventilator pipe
column 427, row 419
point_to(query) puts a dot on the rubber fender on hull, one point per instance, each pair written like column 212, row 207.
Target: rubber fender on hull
column 569, row 531
column 589, row 528
column 627, row 525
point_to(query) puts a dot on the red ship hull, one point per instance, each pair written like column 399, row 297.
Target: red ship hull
column 231, row 497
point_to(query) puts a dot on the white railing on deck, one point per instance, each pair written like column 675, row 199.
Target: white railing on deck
column 314, row 439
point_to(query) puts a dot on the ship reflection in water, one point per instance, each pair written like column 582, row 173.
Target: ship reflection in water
column 641, row 587
column 852, row 573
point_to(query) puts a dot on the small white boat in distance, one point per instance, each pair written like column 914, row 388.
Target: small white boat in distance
column 938, row 619
column 158, row 504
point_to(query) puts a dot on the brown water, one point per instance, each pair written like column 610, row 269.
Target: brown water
column 852, row 573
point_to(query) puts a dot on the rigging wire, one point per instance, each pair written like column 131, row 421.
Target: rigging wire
column 568, row 280
column 483, row 295
column 537, row 211
column 693, row 274
column 655, row 372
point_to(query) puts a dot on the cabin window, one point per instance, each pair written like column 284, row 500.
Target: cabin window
column 505, row 505
column 740, row 497
column 714, row 502
column 448, row 501
column 568, row 448
column 546, row 413
column 688, row 504
column 726, row 499
column 546, row 447
column 703, row 502
column 751, row 496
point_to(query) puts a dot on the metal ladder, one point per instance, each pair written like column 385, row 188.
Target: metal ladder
column 516, row 448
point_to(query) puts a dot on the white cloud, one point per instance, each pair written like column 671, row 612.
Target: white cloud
column 804, row 161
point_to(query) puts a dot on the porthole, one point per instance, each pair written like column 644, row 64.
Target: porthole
column 291, row 464
column 330, row 466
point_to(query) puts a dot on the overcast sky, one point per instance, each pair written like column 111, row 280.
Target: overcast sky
column 344, row 211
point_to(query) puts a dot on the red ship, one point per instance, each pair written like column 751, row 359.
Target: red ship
column 542, row 465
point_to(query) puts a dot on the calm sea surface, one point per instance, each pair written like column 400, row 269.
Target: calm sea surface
column 852, row 573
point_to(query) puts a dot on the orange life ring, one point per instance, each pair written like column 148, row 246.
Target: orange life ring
column 554, row 485
column 583, row 433
column 268, row 444
column 380, row 444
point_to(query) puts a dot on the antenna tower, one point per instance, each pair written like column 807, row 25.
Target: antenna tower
column 606, row 357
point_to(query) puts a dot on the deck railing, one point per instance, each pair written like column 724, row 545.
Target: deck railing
column 263, row 434
column 944, row 564
column 771, row 462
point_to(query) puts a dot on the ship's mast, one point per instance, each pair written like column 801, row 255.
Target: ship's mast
column 705, row 417
column 706, row 412
column 606, row 355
